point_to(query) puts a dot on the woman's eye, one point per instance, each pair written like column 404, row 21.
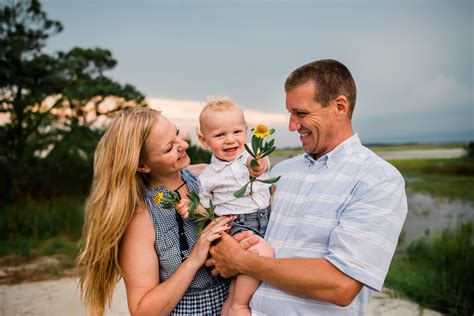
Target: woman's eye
column 237, row 132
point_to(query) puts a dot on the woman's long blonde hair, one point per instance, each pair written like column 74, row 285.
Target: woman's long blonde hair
column 117, row 189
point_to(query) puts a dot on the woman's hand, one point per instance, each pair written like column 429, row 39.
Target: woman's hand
column 209, row 234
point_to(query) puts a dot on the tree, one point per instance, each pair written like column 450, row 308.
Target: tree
column 45, row 97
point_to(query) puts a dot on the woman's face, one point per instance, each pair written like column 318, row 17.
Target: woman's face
column 165, row 150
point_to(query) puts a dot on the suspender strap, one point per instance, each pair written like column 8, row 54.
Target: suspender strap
column 183, row 241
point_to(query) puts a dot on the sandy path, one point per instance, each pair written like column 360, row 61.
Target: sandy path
column 61, row 297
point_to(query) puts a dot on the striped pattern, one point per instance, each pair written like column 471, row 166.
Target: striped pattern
column 348, row 207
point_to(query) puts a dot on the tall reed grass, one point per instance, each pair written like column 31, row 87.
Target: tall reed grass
column 438, row 273
column 25, row 225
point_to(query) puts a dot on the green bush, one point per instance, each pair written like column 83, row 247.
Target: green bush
column 58, row 245
column 438, row 274
column 198, row 154
column 21, row 246
column 42, row 219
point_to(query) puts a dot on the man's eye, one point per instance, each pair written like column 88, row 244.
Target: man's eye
column 301, row 114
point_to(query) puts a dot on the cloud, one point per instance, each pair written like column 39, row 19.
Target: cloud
column 185, row 114
column 442, row 91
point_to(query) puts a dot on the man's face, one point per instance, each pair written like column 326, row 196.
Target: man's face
column 315, row 124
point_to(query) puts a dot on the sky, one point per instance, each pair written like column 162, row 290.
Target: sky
column 412, row 60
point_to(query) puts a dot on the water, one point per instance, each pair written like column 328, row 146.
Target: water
column 422, row 153
column 406, row 154
column 429, row 215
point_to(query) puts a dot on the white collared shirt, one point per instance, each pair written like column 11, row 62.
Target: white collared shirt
column 221, row 179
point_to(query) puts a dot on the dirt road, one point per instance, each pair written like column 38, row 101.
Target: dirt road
column 61, row 298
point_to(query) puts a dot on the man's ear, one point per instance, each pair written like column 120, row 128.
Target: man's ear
column 143, row 168
column 342, row 107
column 202, row 140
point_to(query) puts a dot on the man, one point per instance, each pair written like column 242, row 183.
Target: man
column 336, row 214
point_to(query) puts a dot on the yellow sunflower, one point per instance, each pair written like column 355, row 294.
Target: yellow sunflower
column 261, row 131
column 158, row 197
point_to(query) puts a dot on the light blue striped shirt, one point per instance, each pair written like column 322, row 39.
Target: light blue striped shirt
column 347, row 207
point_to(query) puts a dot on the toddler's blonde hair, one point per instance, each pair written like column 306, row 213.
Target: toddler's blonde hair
column 217, row 104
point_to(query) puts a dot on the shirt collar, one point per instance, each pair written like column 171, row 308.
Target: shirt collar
column 218, row 164
column 345, row 148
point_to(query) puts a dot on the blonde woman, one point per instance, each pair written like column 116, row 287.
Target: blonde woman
column 128, row 234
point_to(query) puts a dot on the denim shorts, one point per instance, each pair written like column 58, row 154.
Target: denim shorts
column 256, row 222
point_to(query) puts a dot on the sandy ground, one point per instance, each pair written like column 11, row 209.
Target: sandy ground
column 61, row 297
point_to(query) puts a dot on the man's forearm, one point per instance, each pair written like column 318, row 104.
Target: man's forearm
column 314, row 278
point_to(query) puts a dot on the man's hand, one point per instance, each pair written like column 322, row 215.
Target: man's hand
column 228, row 251
column 257, row 172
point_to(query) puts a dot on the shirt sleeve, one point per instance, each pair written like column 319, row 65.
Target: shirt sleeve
column 364, row 240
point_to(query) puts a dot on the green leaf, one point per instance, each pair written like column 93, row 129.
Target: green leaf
column 269, row 181
column 255, row 144
column 249, row 150
column 272, row 130
column 268, row 152
column 200, row 226
column 167, row 204
column 241, row 192
column 260, row 144
column 193, row 205
column 270, row 143
column 193, row 196
column 254, row 164
column 173, row 196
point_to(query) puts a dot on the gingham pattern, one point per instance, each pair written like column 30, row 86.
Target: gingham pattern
column 203, row 302
column 206, row 293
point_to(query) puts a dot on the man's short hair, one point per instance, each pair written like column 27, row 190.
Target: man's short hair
column 330, row 78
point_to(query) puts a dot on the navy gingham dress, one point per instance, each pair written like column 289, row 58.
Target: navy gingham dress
column 206, row 294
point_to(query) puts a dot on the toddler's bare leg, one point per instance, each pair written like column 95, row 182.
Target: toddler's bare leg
column 225, row 306
column 245, row 286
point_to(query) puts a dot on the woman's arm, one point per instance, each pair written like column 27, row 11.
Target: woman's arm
column 139, row 263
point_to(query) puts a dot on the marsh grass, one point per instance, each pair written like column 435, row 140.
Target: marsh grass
column 41, row 227
column 440, row 167
column 445, row 178
column 438, row 273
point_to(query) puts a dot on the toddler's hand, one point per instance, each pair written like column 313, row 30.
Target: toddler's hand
column 257, row 172
column 182, row 207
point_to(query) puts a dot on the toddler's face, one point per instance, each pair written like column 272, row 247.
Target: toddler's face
column 225, row 133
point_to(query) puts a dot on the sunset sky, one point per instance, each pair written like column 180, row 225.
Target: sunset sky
column 412, row 60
